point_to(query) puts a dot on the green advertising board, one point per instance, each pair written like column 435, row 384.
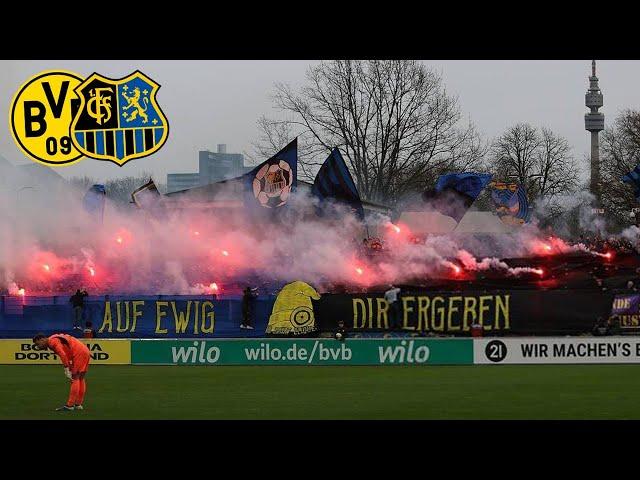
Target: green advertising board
column 417, row 351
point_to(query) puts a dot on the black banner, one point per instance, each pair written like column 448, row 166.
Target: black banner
column 517, row 312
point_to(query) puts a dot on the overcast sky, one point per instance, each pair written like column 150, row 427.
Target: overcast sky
column 211, row 102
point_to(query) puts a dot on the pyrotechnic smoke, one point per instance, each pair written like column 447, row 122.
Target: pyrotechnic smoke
column 570, row 213
column 194, row 249
column 632, row 234
column 491, row 263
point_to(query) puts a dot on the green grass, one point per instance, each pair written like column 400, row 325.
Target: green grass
column 435, row 392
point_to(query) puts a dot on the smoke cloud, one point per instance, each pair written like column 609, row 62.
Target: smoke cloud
column 49, row 244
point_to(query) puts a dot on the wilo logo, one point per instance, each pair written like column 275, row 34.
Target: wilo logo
column 404, row 353
column 198, row 353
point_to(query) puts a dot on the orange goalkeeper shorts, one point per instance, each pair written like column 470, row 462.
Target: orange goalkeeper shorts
column 80, row 363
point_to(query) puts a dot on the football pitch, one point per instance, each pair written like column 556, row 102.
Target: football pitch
column 291, row 392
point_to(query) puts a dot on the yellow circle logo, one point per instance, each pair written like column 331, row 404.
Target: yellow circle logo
column 302, row 316
column 40, row 115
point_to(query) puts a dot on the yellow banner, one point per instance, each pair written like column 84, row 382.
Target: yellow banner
column 103, row 352
column 293, row 311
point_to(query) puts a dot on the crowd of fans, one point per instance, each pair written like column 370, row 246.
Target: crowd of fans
column 601, row 244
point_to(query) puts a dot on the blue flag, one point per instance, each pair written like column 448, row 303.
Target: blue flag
column 94, row 201
column 467, row 184
column 511, row 202
column 334, row 183
column 633, row 177
column 453, row 195
column 269, row 185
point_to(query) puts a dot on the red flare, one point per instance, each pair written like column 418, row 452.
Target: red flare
column 394, row 227
column 359, row 271
column 46, row 267
column 21, row 292
column 123, row 236
column 539, row 271
column 214, row 287
column 225, row 253
column 547, row 248
column 608, row 255
column 92, row 272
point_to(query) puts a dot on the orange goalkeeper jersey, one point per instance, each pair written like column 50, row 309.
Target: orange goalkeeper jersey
column 67, row 348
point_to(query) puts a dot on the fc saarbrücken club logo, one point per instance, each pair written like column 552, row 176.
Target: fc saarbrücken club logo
column 118, row 119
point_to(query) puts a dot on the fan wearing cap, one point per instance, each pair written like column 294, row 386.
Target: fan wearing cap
column 75, row 357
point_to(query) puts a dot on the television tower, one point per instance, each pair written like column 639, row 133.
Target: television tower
column 594, row 123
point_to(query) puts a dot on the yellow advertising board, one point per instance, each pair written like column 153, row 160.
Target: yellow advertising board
column 103, row 352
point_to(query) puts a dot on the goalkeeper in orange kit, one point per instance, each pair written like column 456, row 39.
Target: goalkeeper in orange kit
column 75, row 357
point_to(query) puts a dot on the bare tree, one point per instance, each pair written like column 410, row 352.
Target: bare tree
column 82, row 183
column 557, row 168
column 514, row 155
column 620, row 153
column 274, row 135
column 539, row 160
column 393, row 121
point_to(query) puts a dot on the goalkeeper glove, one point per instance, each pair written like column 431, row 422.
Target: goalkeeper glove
column 67, row 372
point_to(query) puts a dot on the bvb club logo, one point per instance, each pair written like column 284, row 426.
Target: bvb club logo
column 40, row 115
column 56, row 118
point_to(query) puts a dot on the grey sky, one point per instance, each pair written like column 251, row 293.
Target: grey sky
column 211, row 102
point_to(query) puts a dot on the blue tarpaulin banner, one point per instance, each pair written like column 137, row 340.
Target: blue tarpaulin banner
column 135, row 317
column 94, row 201
column 633, row 177
column 467, row 184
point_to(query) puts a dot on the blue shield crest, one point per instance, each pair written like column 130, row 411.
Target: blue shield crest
column 118, row 119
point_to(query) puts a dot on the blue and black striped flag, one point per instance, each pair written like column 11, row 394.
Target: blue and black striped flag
column 633, row 177
column 334, row 183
